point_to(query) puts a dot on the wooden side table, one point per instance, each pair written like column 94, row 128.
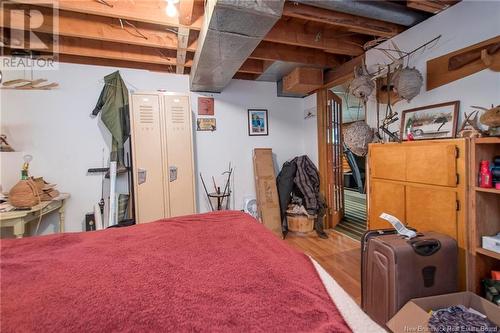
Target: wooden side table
column 19, row 218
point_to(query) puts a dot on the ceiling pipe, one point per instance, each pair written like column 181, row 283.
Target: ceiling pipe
column 379, row 10
column 231, row 30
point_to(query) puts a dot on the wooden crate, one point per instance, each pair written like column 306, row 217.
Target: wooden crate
column 303, row 80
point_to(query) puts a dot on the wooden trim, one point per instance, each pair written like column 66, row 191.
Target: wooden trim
column 322, row 124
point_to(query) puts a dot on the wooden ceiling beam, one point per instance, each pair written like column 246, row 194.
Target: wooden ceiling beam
column 297, row 34
column 353, row 23
column 114, row 51
column 342, row 73
column 142, row 11
column 186, row 9
column 245, row 76
column 182, row 42
column 430, row 6
column 72, row 24
column 252, row 66
column 74, row 59
column 281, row 52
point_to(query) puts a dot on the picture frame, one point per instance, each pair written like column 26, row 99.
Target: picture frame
column 258, row 122
column 436, row 121
column 206, row 106
column 206, row 124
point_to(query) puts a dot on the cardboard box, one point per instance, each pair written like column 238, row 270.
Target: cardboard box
column 266, row 190
column 414, row 315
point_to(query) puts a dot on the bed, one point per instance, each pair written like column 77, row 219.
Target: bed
column 214, row 272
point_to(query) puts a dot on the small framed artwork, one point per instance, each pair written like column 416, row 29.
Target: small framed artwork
column 206, row 106
column 438, row 121
column 258, row 123
column 206, row 124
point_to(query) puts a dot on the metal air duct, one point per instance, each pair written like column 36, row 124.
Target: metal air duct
column 231, row 30
column 379, row 10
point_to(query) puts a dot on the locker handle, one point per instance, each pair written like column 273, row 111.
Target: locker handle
column 141, row 175
column 172, row 172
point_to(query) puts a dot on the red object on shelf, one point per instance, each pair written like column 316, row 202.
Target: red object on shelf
column 495, row 275
column 485, row 176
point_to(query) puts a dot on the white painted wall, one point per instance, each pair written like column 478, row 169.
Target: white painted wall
column 55, row 127
column 464, row 24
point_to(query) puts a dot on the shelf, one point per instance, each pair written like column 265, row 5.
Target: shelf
column 487, row 140
column 488, row 253
column 487, row 190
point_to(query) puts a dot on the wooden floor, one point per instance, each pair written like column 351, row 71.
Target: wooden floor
column 339, row 255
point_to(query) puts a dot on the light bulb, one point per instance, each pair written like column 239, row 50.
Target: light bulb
column 171, row 10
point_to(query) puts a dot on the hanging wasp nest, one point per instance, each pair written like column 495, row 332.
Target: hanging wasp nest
column 362, row 85
column 357, row 136
column 407, row 82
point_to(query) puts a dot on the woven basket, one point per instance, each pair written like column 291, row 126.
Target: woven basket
column 24, row 194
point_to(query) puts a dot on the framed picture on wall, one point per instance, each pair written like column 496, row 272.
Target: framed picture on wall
column 438, row 121
column 258, row 123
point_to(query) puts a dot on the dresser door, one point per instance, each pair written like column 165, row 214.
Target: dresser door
column 433, row 163
column 432, row 209
column 385, row 197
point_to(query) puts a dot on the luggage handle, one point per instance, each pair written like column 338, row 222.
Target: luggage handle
column 426, row 247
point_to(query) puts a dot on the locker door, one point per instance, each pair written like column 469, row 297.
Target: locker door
column 148, row 175
column 179, row 171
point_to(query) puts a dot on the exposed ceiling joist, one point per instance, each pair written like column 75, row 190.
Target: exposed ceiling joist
column 342, row 73
column 114, row 63
column 353, row 23
column 294, row 33
column 430, row 6
column 281, row 52
column 182, row 42
column 142, row 11
column 252, row 66
column 245, row 76
column 105, row 50
column 186, row 11
column 72, row 24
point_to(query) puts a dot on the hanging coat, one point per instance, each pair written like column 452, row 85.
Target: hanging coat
column 113, row 106
column 284, row 181
column 307, row 180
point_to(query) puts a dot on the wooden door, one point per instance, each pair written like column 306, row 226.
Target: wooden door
column 432, row 209
column 385, row 197
column 335, row 191
column 148, row 163
column 178, row 169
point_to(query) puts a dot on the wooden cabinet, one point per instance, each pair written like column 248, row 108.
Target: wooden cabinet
column 424, row 184
column 162, row 154
column 484, row 215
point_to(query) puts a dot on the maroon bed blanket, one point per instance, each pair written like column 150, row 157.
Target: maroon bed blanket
column 216, row 272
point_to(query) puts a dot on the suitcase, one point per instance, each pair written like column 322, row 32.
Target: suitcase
column 395, row 270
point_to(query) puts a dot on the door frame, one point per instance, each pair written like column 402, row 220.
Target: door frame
column 329, row 117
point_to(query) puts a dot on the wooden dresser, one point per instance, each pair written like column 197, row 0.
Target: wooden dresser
column 424, row 184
